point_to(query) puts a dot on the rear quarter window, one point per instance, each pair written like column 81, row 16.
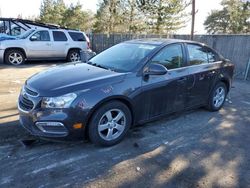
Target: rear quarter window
column 77, row 36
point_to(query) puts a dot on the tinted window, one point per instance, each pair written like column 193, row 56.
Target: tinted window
column 59, row 36
column 171, row 57
column 197, row 54
column 122, row 57
column 77, row 36
column 212, row 57
column 42, row 36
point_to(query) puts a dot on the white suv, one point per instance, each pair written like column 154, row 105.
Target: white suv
column 44, row 44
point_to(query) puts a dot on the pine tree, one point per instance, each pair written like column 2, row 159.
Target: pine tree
column 233, row 18
column 164, row 16
column 108, row 17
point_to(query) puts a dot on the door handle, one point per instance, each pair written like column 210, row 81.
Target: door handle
column 211, row 73
column 182, row 79
column 48, row 44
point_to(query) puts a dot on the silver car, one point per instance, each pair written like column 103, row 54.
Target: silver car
column 44, row 44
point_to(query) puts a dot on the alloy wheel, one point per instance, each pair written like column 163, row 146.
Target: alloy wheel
column 219, row 97
column 15, row 58
column 112, row 124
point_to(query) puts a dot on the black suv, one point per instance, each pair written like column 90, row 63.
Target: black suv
column 130, row 83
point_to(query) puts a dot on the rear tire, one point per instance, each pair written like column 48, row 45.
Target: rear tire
column 109, row 124
column 74, row 55
column 217, row 97
column 14, row 57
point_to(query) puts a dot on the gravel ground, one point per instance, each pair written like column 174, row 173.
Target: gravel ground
column 190, row 149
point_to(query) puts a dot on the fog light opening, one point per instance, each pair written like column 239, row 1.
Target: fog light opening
column 51, row 127
column 78, row 126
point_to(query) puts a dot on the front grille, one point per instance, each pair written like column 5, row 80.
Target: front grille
column 25, row 103
column 30, row 92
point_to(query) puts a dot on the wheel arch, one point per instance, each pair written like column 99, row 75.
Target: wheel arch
column 226, row 82
column 71, row 49
column 15, row 48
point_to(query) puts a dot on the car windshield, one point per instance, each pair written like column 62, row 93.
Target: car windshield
column 25, row 34
column 122, row 57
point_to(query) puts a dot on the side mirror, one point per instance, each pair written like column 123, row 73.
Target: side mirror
column 33, row 38
column 155, row 69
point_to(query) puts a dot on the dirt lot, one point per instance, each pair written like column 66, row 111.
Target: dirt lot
column 192, row 149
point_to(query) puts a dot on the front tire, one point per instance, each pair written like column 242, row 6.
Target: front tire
column 109, row 124
column 217, row 97
column 14, row 57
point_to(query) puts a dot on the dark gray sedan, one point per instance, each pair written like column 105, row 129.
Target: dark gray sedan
column 130, row 83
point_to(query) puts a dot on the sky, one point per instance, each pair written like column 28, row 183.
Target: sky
column 29, row 8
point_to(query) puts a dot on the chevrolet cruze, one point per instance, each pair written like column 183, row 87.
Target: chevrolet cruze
column 128, row 84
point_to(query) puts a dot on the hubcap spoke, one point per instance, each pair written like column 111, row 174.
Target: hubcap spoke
column 119, row 127
column 103, row 127
column 118, row 117
column 109, row 116
column 110, row 134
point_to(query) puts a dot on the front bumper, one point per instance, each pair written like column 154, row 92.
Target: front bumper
column 1, row 56
column 53, row 123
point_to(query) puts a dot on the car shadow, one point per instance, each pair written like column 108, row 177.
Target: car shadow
column 189, row 149
column 182, row 150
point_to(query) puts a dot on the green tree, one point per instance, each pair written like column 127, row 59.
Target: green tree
column 52, row 11
column 74, row 17
column 164, row 16
column 133, row 18
column 233, row 18
column 109, row 17
column 140, row 16
column 56, row 12
column 217, row 21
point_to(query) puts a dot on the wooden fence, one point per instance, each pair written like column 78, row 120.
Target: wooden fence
column 234, row 47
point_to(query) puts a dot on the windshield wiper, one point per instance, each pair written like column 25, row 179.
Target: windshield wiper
column 100, row 66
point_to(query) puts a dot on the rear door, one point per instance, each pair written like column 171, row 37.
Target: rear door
column 39, row 45
column 60, row 44
column 163, row 94
column 203, row 70
column 78, row 40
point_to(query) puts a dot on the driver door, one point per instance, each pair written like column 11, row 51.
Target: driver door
column 163, row 94
column 39, row 45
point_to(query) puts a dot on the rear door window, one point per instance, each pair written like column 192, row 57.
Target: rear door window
column 59, row 36
column 212, row 56
column 197, row 54
column 76, row 36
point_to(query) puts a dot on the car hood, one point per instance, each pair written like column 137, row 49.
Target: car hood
column 70, row 78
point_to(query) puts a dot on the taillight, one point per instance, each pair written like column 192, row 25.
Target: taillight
column 88, row 45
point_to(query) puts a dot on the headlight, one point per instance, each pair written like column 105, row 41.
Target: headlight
column 63, row 101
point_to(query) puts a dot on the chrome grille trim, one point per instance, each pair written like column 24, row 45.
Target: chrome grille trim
column 25, row 104
column 30, row 92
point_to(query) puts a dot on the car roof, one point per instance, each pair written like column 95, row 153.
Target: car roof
column 160, row 41
column 63, row 30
